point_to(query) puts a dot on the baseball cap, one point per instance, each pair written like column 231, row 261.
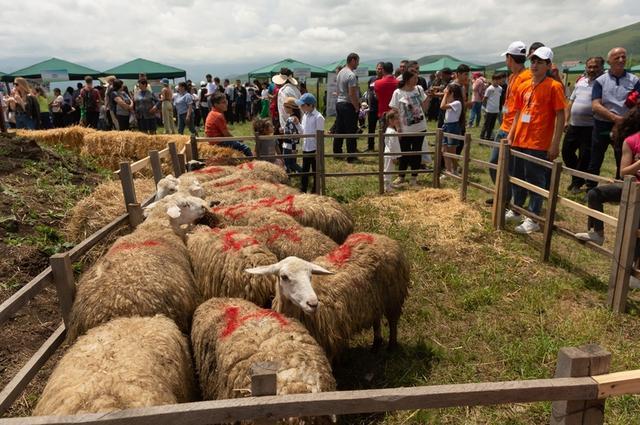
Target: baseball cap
column 306, row 99
column 517, row 48
column 544, row 53
column 165, row 81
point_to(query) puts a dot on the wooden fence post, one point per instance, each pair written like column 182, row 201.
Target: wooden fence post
column 501, row 194
column 381, row 175
column 466, row 156
column 264, row 381
column 194, row 147
column 187, row 152
column 156, row 165
column 320, row 178
column 438, row 159
column 64, row 282
column 256, row 138
column 126, row 179
column 554, row 189
column 135, row 215
column 624, row 249
column 587, row 360
column 175, row 161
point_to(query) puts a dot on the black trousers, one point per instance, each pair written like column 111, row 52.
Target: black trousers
column 308, row 164
column 600, row 141
column 596, row 199
column 576, row 150
column 372, row 119
column 346, row 123
column 489, row 122
column 410, row 144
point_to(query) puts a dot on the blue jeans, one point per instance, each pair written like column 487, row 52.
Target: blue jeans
column 531, row 173
column 290, row 163
column 246, row 150
column 495, row 152
column 182, row 118
column 476, row 113
column 25, row 121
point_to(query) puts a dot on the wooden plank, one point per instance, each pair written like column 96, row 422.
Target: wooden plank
column 481, row 187
column 19, row 382
column 453, row 176
column 437, row 160
column 502, row 188
column 451, row 155
column 194, row 147
column 588, row 211
column 319, row 179
column 126, row 179
column 188, row 152
column 580, row 362
column 175, row 161
column 454, row 136
column 256, row 140
column 12, row 304
column 83, row 247
column 530, row 187
column 587, row 176
column 487, row 143
column 466, row 154
column 484, row 164
column 525, row 212
column 164, row 153
column 65, row 284
column 618, row 383
column 380, row 160
column 156, row 166
column 182, row 160
column 535, row 160
column 264, row 377
column 140, row 165
column 336, row 403
column 554, row 188
column 373, row 173
column 622, row 264
column 591, row 245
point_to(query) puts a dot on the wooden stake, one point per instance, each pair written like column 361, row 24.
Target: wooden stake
column 320, row 177
column 175, row 161
column 64, row 282
column 466, row 156
column 264, row 382
column 182, row 160
column 256, row 138
column 194, row 147
column 438, row 159
column 128, row 189
column 135, row 215
column 381, row 160
column 156, row 166
column 501, row 194
column 554, row 189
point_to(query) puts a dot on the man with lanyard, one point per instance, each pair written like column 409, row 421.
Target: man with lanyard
column 610, row 91
column 537, row 128
column 515, row 57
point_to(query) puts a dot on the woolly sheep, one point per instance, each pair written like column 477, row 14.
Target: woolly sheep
column 254, row 170
column 320, row 212
column 144, row 273
column 369, row 278
column 126, row 363
column 229, row 335
column 169, row 185
column 232, row 191
column 219, row 257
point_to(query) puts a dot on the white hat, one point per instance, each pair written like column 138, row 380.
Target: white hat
column 281, row 79
column 517, row 48
column 544, row 53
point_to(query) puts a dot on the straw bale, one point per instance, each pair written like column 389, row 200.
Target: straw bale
column 219, row 258
column 102, row 206
column 229, row 335
column 70, row 137
column 126, row 363
column 219, row 155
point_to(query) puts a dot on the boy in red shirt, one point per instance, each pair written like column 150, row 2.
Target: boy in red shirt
column 216, row 125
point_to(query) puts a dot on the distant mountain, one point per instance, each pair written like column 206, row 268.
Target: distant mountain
column 597, row 45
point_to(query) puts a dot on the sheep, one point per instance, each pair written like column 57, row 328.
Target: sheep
column 144, row 273
column 125, row 363
column 229, row 335
column 254, row 170
column 169, row 185
column 369, row 279
column 219, row 257
column 320, row 212
column 241, row 190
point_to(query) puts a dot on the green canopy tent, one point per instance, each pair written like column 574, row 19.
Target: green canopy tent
column 447, row 62
column 153, row 70
column 579, row 68
column 635, row 69
column 332, row 66
column 74, row 71
column 273, row 69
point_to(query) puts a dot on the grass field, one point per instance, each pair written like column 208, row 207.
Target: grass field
column 482, row 306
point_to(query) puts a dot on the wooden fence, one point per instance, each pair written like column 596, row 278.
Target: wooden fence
column 578, row 390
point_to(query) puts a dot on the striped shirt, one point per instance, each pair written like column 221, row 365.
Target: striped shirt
column 613, row 92
column 581, row 111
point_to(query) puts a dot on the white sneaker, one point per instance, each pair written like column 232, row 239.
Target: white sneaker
column 512, row 217
column 414, row 181
column 399, row 180
column 527, row 226
column 591, row 236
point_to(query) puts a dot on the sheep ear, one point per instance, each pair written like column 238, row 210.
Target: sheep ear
column 147, row 210
column 316, row 269
column 173, row 211
column 270, row 269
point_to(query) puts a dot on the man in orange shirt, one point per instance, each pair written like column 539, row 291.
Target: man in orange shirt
column 216, row 124
column 537, row 129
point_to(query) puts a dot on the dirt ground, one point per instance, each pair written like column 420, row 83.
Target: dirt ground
column 38, row 186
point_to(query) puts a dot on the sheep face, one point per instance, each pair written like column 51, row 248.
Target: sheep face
column 294, row 281
column 195, row 189
column 186, row 210
column 166, row 186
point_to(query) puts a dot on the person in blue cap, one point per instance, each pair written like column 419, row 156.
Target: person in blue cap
column 312, row 121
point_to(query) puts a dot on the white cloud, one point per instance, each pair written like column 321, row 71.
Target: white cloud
column 229, row 36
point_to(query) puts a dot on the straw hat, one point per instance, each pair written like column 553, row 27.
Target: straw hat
column 281, row 79
column 290, row 102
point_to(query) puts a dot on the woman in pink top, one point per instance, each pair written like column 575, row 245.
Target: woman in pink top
column 627, row 131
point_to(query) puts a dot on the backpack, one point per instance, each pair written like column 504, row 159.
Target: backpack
column 88, row 101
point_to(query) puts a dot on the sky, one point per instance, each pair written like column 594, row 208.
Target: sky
column 228, row 38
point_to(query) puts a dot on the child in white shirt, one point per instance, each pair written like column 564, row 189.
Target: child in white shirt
column 312, row 121
column 391, row 146
column 454, row 119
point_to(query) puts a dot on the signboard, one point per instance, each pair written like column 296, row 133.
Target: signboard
column 332, row 94
column 362, row 72
column 55, row 75
column 302, row 72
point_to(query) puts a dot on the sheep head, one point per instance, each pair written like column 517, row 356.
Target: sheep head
column 185, row 209
column 166, row 186
column 294, row 281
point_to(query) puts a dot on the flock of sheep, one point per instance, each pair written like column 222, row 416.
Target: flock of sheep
column 179, row 311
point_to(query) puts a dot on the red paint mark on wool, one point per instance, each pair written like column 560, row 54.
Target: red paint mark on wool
column 230, row 241
column 209, row 170
column 127, row 246
column 247, row 188
column 247, row 166
column 233, row 320
column 275, row 232
column 233, row 212
column 226, row 183
column 284, row 205
column 343, row 253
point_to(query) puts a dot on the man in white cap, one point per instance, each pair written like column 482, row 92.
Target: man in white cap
column 537, row 129
column 288, row 88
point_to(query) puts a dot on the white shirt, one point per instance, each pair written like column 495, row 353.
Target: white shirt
column 311, row 122
column 391, row 142
column 453, row 113
column 492, row 94
column 409, row 104
column 288, row 90
column 211, row 88
column 265, row 94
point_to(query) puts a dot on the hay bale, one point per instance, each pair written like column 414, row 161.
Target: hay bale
column 219, row 155
column 105, row 203
column 229, row 335
column 70, row 137
column 123, row 364
column 219, row 258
